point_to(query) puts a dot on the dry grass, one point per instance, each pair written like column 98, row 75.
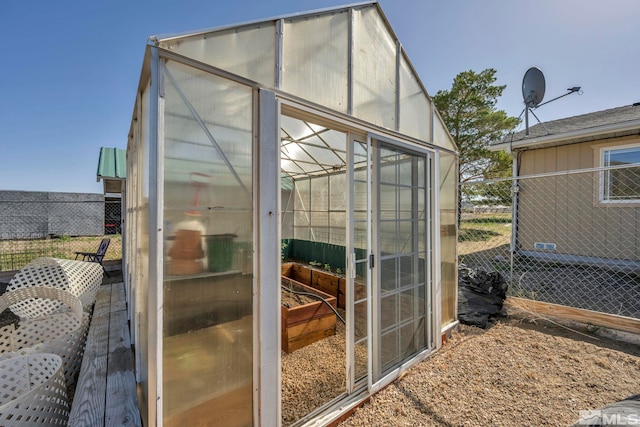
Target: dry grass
column 15, row 254
column 483, row 231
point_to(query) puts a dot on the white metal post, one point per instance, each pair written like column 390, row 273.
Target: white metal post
column 156, row 202
column 351, row 267
column 437, row 262
column 267, row 273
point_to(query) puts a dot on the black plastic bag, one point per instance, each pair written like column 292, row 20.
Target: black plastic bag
column 480, row 295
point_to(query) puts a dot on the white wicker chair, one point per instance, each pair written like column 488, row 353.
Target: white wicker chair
column 62, row 332
column 32, row 391
column 80, row 278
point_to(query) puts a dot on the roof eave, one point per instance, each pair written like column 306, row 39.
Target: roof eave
column 567, row 137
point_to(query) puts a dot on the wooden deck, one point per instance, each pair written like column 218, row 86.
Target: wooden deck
column 106, row 388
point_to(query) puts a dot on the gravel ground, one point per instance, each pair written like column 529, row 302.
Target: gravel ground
column 313, row 375
column 523, row 371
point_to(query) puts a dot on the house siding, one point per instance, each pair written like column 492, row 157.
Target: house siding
column 565, row 209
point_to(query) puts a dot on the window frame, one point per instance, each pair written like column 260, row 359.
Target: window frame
column 603, row 194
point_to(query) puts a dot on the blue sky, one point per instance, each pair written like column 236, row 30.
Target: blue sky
column 70, row 68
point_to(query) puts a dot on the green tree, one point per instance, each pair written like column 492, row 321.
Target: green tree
column 469, row 112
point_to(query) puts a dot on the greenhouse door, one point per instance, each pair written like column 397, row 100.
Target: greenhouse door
column 388, row 280
column 400, row 314
column 358, row 253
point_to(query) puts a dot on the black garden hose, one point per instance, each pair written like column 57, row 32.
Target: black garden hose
column 317, row 297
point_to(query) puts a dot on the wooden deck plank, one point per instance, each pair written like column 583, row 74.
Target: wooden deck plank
column 89, row 401
column 118, row 298
column 106, row 388
column 122, row 400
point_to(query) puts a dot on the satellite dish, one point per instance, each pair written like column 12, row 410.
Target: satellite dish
column 533, row 86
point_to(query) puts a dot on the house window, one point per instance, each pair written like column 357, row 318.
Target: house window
column 621, row 184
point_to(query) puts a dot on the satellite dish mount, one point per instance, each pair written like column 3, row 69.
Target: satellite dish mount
column 533, row 87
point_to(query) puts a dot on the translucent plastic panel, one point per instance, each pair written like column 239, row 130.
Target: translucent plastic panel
column 320, row 194
column 405, row 171
column 338, row 220
column 310, row 148
column 388, row 274
column 208, row 241
column 325, row 157
column 294, row 129
column 421, row 300
column 360, row 235
column 338, row 223
column 319, row 219
column 408, row 340
column 301, row 232
column 415, row 107
column 388, row 201
column 201, row 140
column 374, row 70
column 335, row 140
column 388, row 237
column 422, row 172
column 302, row 219
column 405, row 202
column 407, row 305
column 249, row 51
column 388, row 311
column 388, row 171
column 302, row 188
column 421, row 334
column 296, row 153
column 338, row 187
column 290, row 168
column 315, row 57
column 405, row 236
column 389, row 349
column 441, row 136
column 360, row 200
column 407, row 270
column 448, row 236
column 361, row 358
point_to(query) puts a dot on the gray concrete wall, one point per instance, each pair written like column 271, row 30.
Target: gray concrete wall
column 34, row 214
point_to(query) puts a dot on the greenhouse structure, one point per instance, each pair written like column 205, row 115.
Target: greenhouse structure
column 269, row 162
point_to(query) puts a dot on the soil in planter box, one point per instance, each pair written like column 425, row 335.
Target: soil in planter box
column 305, row 318
column 290, row 299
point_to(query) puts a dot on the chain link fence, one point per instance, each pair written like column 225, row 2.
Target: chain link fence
column 37, row 224
column 570, row 238
column 112, row 216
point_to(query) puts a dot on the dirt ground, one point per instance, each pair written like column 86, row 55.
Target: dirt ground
column 522, row 371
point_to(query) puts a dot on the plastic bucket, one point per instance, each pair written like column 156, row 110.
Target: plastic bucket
column 220, row 252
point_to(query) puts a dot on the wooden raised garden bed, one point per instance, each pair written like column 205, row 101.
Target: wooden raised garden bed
column 307, row 323
column 321, row 280
column 317, row 279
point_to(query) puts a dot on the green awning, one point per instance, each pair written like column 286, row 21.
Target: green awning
column 112, row 169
